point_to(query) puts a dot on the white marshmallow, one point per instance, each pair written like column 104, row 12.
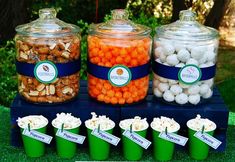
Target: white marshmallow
column 162, row 57
column 210, row 55
column 192, row 61
column 158, row 60
column 204, row 88
column 197, row 52
column 194, row 89
column 183, row 55
column 203, row 65
column 209, row 82
column 157, row 92
column 172, row 60
column 208, row 94
column 179, row 47
column 168, row 49
column 202, row 60
column 194, row 99
column 158, row 51
column 163, row 87
column 171, row 82
column 164, row 80
column 210, row 64
column 176, row 89
column 168, row 96
column 181, row 98
column 184, row 85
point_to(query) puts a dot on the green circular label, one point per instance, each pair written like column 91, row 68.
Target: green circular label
column 119, row 75
column 189, row 74
column 45, row 71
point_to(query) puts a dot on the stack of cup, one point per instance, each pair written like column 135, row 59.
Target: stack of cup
column 33, row 147
column 199, row 150
column 131, row 150
column 98, row 148
column 162, row 149
column 65, row 148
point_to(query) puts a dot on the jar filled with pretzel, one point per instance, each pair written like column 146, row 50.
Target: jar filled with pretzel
column 118, row 60
column 48, row 59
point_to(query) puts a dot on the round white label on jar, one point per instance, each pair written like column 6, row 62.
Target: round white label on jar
column 45, row 71
column 119, row 75
column 189, row 74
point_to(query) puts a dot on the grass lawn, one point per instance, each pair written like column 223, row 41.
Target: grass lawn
column 10, row 154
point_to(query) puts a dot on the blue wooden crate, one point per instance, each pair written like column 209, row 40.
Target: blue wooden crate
column 214, row 109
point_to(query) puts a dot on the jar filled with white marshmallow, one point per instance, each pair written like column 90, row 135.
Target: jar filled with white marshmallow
column 184, row 66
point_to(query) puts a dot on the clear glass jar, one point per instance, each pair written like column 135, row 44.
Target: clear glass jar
column 48, row 59
column 184, row 65
column 118, row 60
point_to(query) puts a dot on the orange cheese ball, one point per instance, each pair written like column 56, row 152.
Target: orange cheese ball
column 109, row 52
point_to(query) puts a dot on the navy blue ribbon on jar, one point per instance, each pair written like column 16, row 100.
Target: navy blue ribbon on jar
column 171, row 72
column 64, row 69
column 102, row 71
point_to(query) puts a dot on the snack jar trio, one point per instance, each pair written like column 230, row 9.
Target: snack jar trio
column 119, row 60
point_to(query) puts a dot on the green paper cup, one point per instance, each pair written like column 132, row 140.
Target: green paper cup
column 131, row 150
column 198, row 150
column 65, row 148
column 163, row 150
column 33, row 147
column 98, row 148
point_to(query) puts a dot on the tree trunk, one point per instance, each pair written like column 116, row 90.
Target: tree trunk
column 12, row 14
column 178, row 5
column 214, row 17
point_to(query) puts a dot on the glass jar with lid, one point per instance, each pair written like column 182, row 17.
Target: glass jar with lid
column 118, row 60
column 48, row 59
column 184, row 65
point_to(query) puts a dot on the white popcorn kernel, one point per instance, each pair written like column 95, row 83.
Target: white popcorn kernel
column 172, row 60
column 35, row 121
column 197, row 52
column 197, row 124
column 204, row 88
column 168, row 96
column 171, row 82
column 192, row 61
column 160, row 124
column 137, row 123
column 168, row 49
column 208, row 94
column 157, row 92
column 67, row 119
column 163, row 87
column 181, row 98
column 176, row 89
column 210, row 55
column 183, row 55
column 155, row 82
column 180, row 65
column 194, row 99
column 158, row 51
column 104, row 122
column 194, row 89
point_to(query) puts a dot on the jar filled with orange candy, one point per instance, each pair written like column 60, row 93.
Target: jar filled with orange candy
column 118, row 60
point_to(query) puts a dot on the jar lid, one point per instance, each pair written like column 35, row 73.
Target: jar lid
column 119, row 26
column 47, row 25
column 187, row 28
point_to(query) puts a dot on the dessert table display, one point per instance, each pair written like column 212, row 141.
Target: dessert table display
column 118, row 105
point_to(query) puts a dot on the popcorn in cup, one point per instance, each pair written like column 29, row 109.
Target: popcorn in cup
column 131, row 150
column 199, row 150
column 162, row 149
column 65, row 121
column 99, row 149
column 33, row 147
